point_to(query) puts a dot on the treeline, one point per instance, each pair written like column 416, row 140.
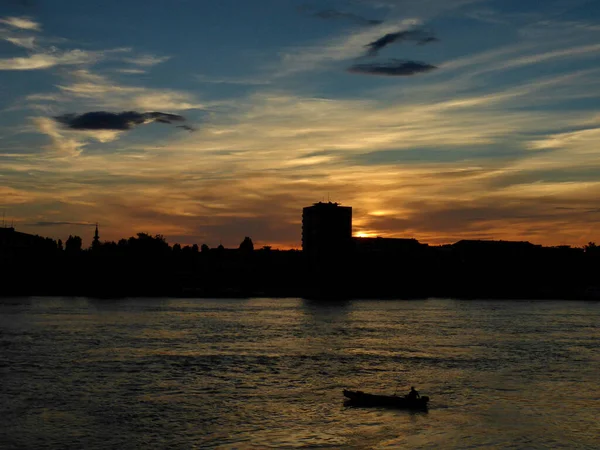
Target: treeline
column 147, row 265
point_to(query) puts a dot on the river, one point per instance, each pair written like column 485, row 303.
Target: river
column 269, row 373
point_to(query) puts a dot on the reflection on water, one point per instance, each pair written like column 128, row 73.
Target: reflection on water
column 184, row 373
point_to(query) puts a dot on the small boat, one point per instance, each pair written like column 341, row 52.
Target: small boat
column 360, row 398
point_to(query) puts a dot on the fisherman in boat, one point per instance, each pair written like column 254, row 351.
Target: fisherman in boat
column 413, row 394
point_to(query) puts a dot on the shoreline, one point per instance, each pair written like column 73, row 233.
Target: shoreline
column 304, row 296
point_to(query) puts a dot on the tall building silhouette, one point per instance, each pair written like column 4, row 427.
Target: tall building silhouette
column 326, row 232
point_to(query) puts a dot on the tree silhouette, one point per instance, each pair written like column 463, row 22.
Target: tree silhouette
column 591, row 248
column 73, row 244
column 247, row 245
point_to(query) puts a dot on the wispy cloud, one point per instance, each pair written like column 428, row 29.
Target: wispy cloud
column 395, row 67
column 47, row 60
column 323, row 54
column 42, row 55
column 62, row 145
column 23, row 23
column 59, row 223
column 25, row 42
column 147, row 60
column 131, row 71
column 100, row 91
column 569, row 52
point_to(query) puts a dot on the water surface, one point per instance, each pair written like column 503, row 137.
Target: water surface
column 262, row 373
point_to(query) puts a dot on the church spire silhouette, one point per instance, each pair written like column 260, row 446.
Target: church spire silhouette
column 96, row 241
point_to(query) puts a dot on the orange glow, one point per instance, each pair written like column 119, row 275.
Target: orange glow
column 364, row 234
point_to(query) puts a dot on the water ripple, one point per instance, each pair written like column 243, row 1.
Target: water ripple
column 266, row 373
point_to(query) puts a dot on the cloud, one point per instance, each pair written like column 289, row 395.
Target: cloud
column 61, row 145
column 51, row 224
column 25, row 42
column 23, row 23
column 101, row 126
column 131, row 71
column 43, row 54
column 334, row 14
column 394, row 67
column 325, row 53
column 572, row 52
column 530, row 219
column 47, row 60
column 420, row 36
column 147, row 60
column 101, row 91
column 53, row 57
column 102, row 120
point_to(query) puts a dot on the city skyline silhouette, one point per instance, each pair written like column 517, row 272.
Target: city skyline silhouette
column 332, row 265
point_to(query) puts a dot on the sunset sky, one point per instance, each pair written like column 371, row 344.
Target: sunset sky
column 207, row 121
